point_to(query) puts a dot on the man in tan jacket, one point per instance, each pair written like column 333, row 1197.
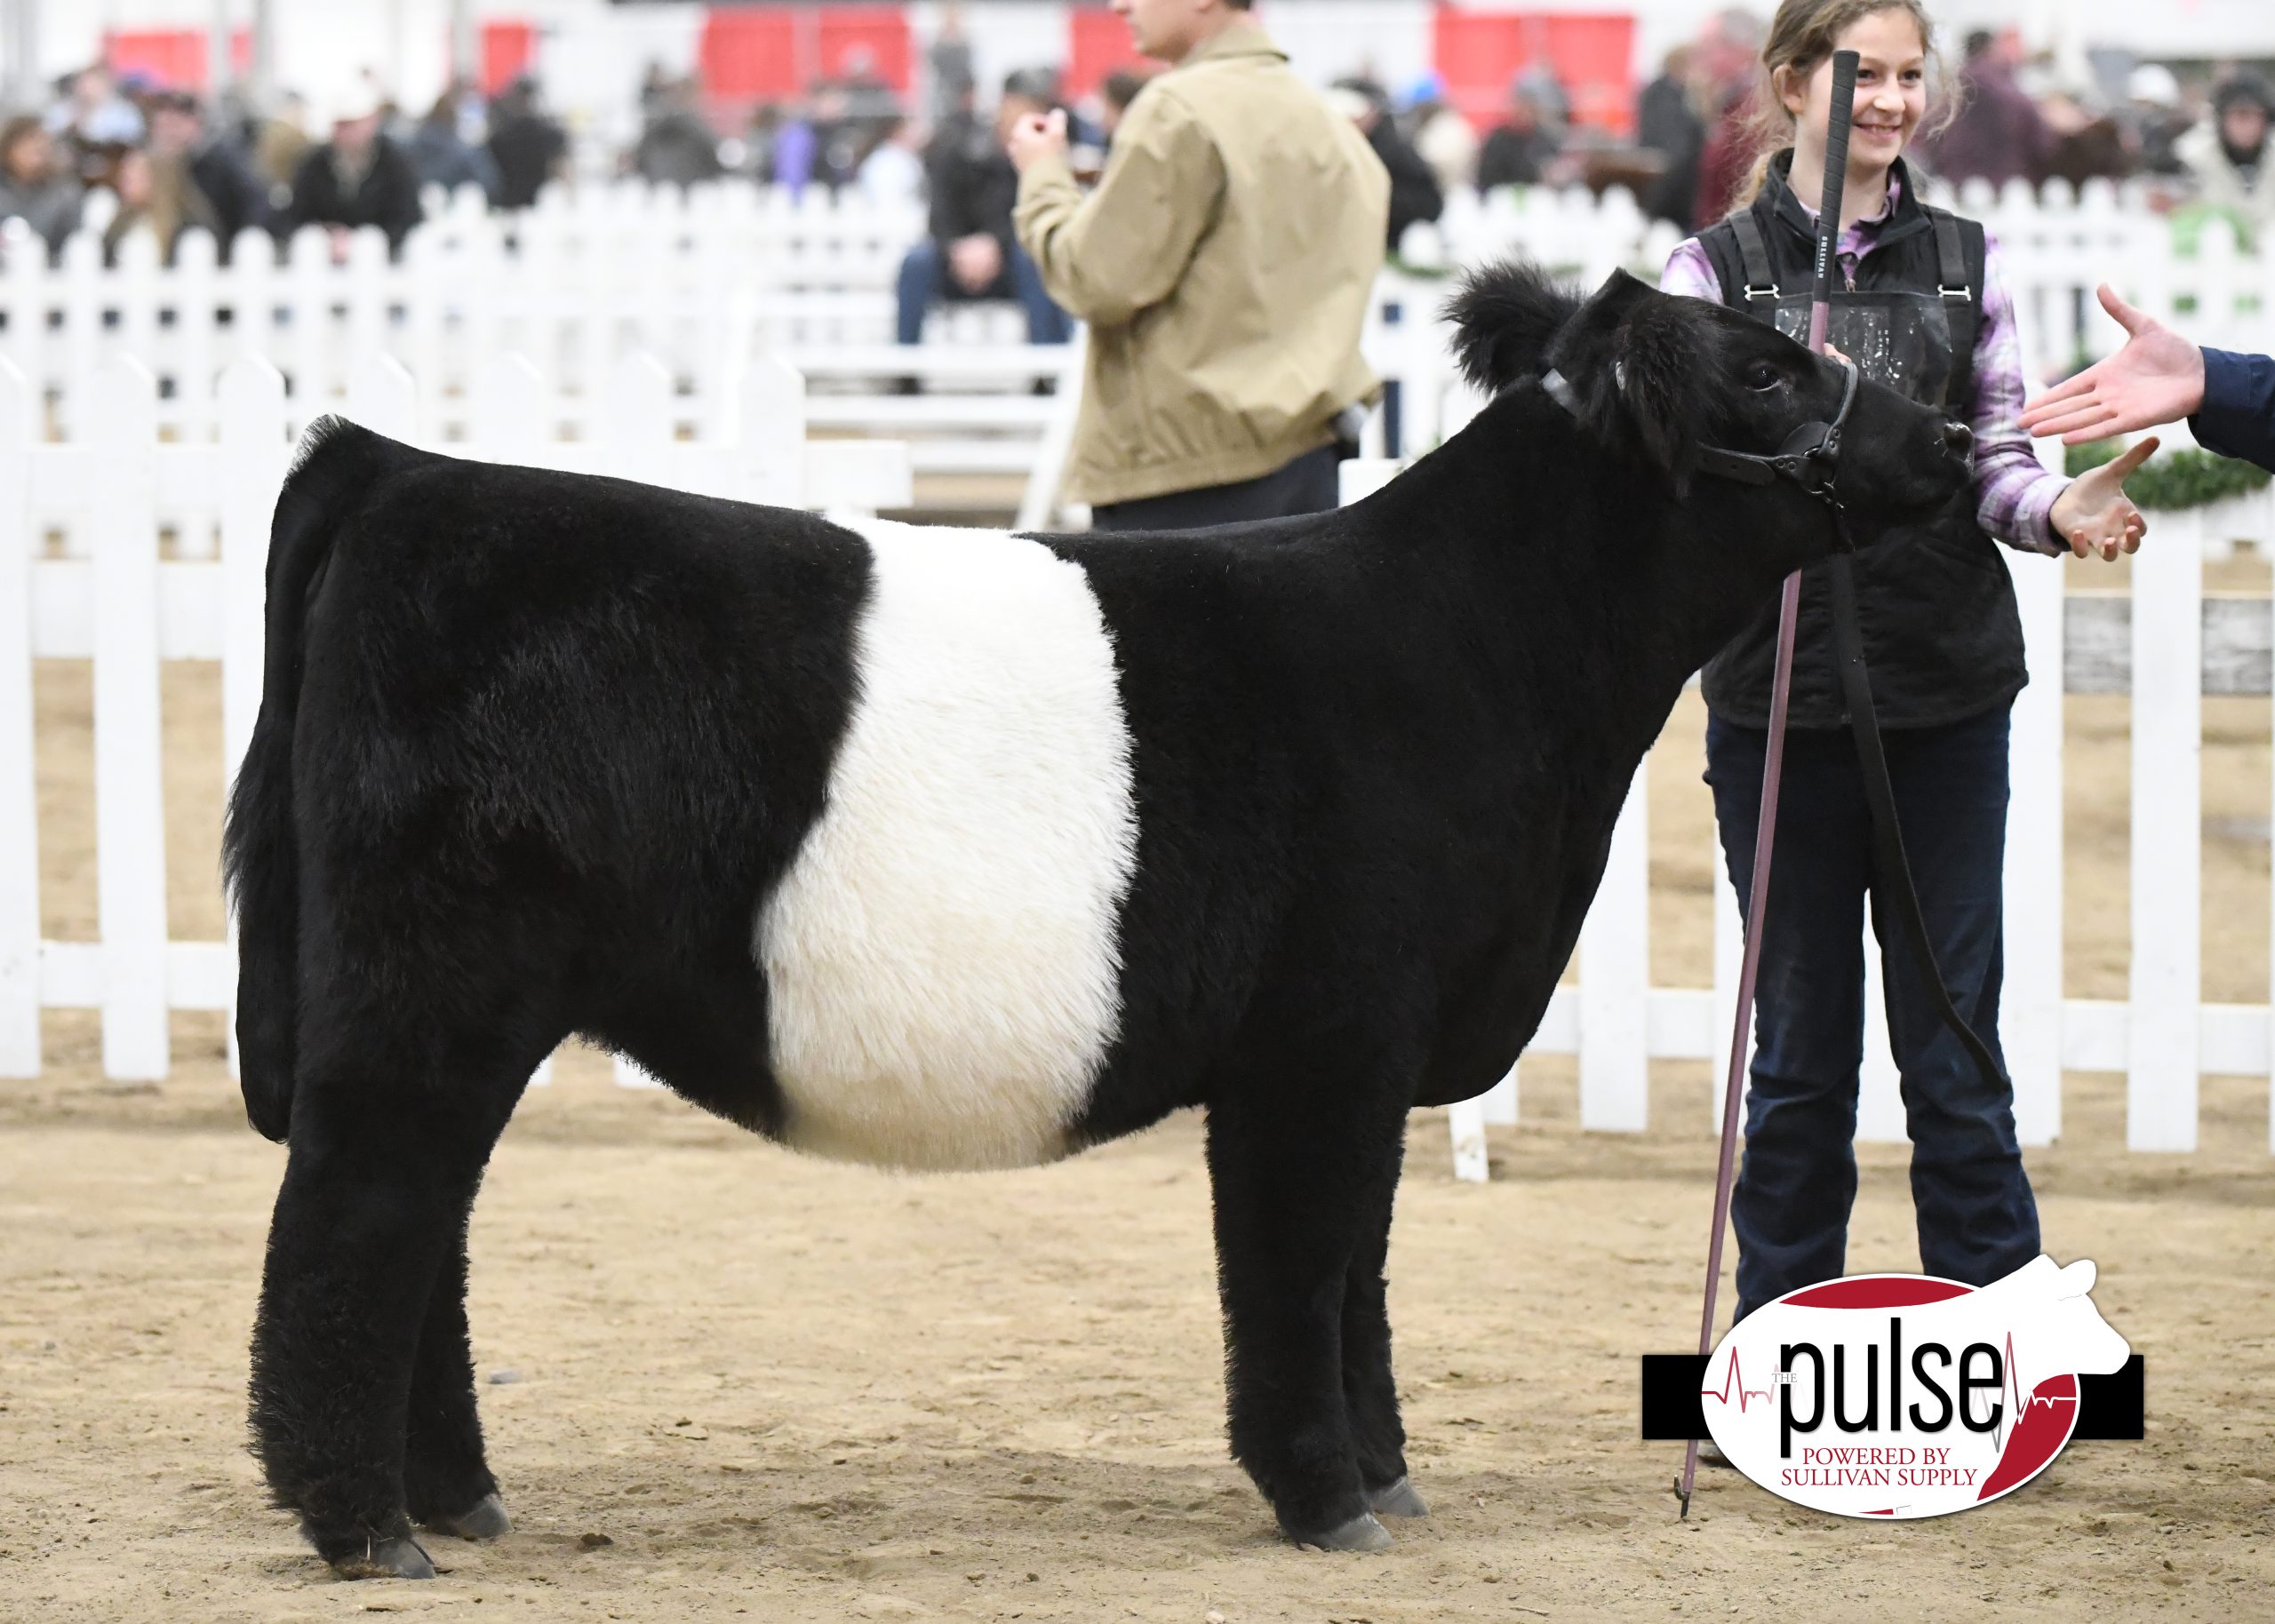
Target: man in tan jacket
column 1223, row 265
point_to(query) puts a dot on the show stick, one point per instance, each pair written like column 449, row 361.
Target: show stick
column 1828, row 240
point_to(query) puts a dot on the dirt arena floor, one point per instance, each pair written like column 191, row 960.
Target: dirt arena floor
column 721, row 1381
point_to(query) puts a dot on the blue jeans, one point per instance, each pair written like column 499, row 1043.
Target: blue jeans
column 924, row 282
column 1977, row 1220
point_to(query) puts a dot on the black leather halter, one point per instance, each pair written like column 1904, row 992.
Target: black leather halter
column 1810, row 457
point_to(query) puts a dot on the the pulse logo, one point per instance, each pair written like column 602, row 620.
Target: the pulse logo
column 1902, row 1396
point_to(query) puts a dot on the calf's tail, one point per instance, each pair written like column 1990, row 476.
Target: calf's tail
column 259, row 847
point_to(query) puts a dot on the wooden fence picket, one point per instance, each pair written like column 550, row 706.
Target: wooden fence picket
column 252, row 460
column 19, row 928
column 130, row 803
column 2167, row 744
column 1615, row 977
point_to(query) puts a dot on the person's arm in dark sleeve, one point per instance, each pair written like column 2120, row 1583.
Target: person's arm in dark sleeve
column 2237, row 416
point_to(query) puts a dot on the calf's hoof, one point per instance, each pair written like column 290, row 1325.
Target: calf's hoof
column 485, row 1519
column 400, row 1556
column 1361, row 1532
column 1398, row 1498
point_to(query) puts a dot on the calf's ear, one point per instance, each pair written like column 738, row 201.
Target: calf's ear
column 1505, row 316
column 1640, row 363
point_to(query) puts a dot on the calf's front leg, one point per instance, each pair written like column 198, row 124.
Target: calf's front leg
column 1370, row 1392
column 447, row 1484
column 1291, row 1195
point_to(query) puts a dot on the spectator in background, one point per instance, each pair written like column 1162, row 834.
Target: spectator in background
column 94, row 115
column 893, row 173
column 441, row 155
column 1726, row 49
column 1520, row 146
column 197, row 179
column 1414, row 194
column 138, row 214
column 34, row 187
column 793, row 149
column 1439, row 134
column 1116, row 91
column 1225, row 264
column 950, row 82
column 972, row 252
column 1998, row 134
column 357, row 177
column 526, row 143
column 279, row 143
column 2228, row 156
column 1667, row 122
column 677, row 147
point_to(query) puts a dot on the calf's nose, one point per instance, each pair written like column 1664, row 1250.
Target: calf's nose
column 1959, row 440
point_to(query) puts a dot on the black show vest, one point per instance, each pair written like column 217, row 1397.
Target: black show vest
column 1936, row 608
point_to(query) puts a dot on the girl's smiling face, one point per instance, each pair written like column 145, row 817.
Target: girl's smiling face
column 1891, row 90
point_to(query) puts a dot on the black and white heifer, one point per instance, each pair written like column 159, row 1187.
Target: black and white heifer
column 948, row 848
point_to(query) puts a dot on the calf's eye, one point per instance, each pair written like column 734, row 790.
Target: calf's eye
column 1762, row 375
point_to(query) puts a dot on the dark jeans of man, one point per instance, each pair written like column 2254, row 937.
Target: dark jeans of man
column 1977, row 1221
column 1307, row 485
column 925, row 282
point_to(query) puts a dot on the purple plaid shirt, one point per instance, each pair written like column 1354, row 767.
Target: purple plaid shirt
column 2014, row 492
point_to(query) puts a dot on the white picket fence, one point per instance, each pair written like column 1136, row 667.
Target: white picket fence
column 116, row 483
column 127, row 607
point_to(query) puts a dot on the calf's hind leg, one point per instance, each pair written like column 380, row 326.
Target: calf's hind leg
column 446, row 1481
column 390, row 1131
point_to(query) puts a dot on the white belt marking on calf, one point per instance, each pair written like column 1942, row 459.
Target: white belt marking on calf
column 942, row 963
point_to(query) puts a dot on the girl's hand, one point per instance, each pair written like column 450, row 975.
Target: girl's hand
column 2093, row 514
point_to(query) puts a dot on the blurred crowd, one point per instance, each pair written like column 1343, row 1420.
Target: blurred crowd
column 175, row 163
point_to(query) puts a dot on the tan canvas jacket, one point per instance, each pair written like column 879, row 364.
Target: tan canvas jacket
column 1223, row 265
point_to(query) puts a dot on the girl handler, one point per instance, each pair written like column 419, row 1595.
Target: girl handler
column 1923, row 310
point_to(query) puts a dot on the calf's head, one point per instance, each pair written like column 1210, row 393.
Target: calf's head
column 1664, row 382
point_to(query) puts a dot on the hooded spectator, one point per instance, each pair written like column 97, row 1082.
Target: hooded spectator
column 34, row 187
column 2229, row 157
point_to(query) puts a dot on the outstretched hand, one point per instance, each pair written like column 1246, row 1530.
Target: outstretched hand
column 2157, row 378
column 2093, row 514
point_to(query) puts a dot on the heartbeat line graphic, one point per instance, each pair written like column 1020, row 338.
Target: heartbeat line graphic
column 1734, row 1379
column 2019, row 1404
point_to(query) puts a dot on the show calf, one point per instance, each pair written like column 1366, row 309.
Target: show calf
column 954, row 848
